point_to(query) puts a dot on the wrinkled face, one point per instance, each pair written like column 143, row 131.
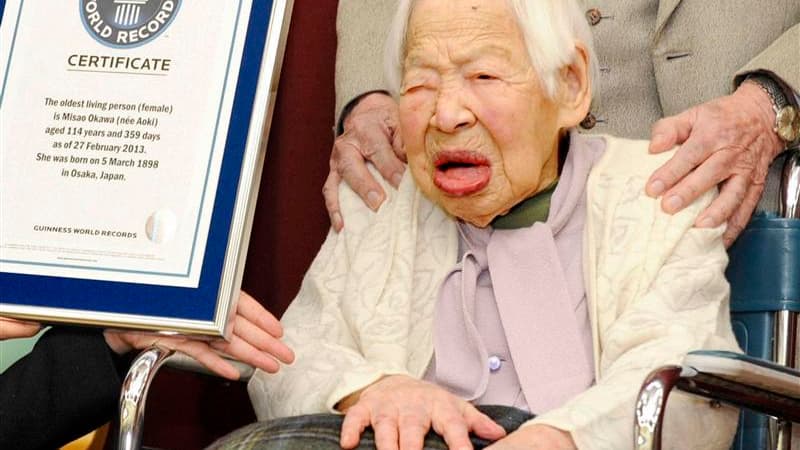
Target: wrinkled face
column 480, row 133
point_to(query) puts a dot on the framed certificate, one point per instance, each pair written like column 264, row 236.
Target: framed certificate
column 132, row 134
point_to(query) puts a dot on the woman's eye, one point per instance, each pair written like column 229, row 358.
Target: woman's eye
column 485, row 77
column 418, row 86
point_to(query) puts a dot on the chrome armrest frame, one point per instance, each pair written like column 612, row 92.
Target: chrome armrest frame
column 653, row 396
column 134, row 395
column 137, row 383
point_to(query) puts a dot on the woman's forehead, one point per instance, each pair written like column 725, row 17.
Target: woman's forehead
column 462, row 29
column 460, row 16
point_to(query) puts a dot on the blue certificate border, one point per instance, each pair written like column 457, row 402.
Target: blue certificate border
column 163, row 301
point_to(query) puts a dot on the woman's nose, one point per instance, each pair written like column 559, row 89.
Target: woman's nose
column 451, row 113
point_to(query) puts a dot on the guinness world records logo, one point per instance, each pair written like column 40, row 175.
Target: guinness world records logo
column 127, row 23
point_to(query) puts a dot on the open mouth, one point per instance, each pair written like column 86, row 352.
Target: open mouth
column 459, row 173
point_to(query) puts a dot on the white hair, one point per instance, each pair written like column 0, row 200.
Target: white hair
column 550, row 29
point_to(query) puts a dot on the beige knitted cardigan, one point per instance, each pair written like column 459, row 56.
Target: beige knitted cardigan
column 654, row 283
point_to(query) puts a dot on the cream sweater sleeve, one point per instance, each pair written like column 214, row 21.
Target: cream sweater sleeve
column 329, row 363
column 365, row 306
column 658, row 291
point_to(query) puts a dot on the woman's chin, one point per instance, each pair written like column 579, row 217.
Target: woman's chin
column 478, row 209
column 480, row 222
column 466, row 210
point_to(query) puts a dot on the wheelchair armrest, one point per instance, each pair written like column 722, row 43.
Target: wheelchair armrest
column 747, row 370
column 728, row 377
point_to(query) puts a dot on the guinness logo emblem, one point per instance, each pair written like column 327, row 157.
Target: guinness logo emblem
column 127, row 23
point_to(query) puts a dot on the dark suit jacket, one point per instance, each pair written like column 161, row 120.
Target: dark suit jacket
column 67, row 386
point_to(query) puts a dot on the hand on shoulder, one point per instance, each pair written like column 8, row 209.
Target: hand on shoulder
column 728, row 141
column 370, row 135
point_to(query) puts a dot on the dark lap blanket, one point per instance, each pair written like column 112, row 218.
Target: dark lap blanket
column 321, row 432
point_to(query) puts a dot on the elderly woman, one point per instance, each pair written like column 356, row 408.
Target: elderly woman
column 519, row 264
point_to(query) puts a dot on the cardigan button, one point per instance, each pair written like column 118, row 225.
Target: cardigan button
column 495, row 363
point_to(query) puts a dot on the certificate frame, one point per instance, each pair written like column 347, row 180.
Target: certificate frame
column 204, row 310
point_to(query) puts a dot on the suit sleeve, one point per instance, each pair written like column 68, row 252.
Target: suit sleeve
column 361, row 29
column 66, row 387
column 780, row 60
column 660, row 292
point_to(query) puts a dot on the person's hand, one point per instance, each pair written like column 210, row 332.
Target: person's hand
column 535, row 437
column 13, row 328
column 729, row 140
column 370, row 134
column 255, row 341
column 401, row 410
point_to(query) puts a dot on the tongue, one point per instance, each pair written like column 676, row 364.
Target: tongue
column 462, row 180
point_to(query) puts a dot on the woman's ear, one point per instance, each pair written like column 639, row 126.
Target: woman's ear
column 574, row 89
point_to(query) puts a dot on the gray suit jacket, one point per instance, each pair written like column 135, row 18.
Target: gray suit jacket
column 657, row 57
